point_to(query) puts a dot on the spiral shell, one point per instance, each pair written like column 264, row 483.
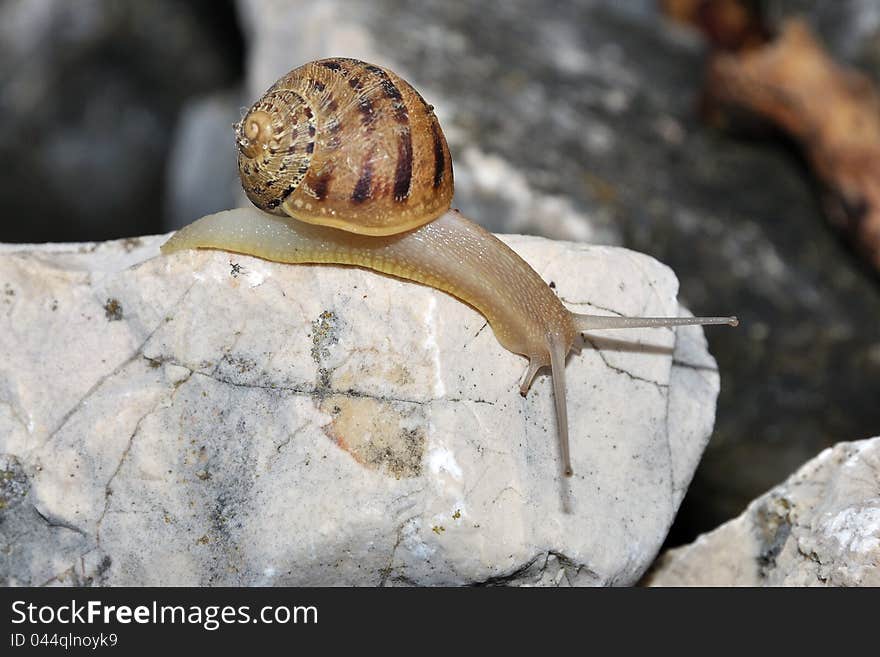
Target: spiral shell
column 342, row 143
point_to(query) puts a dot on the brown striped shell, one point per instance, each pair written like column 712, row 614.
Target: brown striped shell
column 343, row 143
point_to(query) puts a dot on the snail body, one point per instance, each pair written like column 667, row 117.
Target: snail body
column 348, row 165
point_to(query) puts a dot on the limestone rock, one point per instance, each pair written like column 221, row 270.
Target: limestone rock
column 215, row 419
column 820, row 527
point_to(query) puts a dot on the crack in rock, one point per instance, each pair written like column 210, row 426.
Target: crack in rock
column 620, row 370
column 385, row 573
column 82, row 578
column 530, row 571
column 571, row 302
column 315, row 391
column 119, row 368
column 108, row 489
column 692, row 366
column 55, row 522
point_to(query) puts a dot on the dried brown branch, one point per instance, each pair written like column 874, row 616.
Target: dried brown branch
column 727, row 24
column 831, row 111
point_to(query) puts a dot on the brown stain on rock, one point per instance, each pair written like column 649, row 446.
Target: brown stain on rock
column 377, row 365
column 382, row 435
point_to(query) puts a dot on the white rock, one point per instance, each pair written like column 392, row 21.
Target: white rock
column 820, row 527
column 210, row 418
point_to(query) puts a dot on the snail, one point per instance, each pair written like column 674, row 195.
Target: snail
column 348, row 165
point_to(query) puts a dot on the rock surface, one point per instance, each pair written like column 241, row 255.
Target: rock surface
column 214, row 419
column 820, row 527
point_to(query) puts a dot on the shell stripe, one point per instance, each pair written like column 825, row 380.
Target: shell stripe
column 278, row 200
column 321, row 183
column 403, row 171
column 368, row 114
column 439, row 155
column 404, row 168
column 364, row 186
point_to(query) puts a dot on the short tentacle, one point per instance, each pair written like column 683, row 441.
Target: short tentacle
column 529, row 375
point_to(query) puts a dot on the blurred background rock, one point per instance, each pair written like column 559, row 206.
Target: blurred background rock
column 577, row 120
column 90, row 94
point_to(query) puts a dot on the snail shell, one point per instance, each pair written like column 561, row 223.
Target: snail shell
column 342, row 143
